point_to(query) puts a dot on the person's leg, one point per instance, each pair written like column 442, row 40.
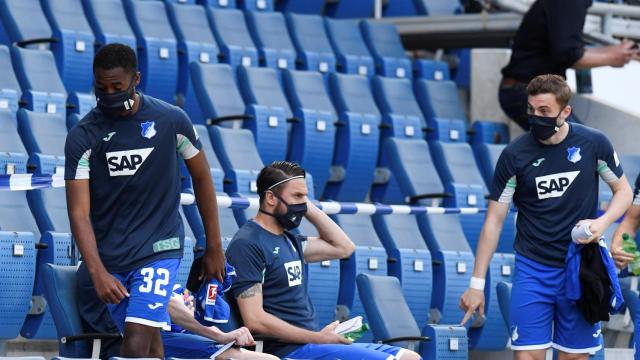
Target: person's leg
column 149, row 289
column 513, row 101
column 337, row 351
column 243, row 354
column 397, row 352
column 138, row 340
column 573, row 337
column 532, row 293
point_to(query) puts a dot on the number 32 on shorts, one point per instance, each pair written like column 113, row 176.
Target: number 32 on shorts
column 159, row 276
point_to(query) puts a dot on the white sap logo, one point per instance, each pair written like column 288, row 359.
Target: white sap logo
column 294, row 272
column 554, row 185
column 124, row 163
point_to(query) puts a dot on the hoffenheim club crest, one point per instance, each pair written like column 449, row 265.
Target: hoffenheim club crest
column 148, row 129
column 573, row 154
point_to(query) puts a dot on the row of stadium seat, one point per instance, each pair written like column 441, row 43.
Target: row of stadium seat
column 170, row 36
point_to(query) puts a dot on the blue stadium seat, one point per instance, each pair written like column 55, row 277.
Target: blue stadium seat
column 220, row 99
column 269, row 32
column 109, row 22
column 42, row 88
column 323, row 277
column 157, row 48
column 312, row 138
column 385, row 45
column 44, row 136
column 240, row 161
column 488, row 140
column 188, row 252
column 439, row 99
column 264, row 96
column 24, row 21
column 352, row 54
column 390, row 318
column 410, row 260
column 49, row 207
column 233, row 37
column 350, row 9
column 452, row 265
column 10, row 93
column 75, row 49
column 357, row 138
column 504, row 299
column 368, row 258
column 80, row 104
column 256, row 5
column 17, row 277
column 489, row 132
column 13, row 155
column 311, row 42
column 195, row 43
column 313, row 7
column 438, row 7
column 61, row 295
column 431, row 70
column 228, row 225
column 222, row 4
column 401, row 115
column 399, row 8
column 409, row 163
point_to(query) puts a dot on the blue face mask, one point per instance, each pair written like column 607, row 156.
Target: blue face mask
column 544, row 127
column 113, row 104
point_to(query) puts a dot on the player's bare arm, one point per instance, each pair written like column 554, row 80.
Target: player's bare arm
column 260, row 322
column 332, row 242
column 473, row 299
column 205, row 194
column 108, row 288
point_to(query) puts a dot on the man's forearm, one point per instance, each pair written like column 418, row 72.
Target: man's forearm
column 85, row 239
column 208, row 207
column 267, row 324
column 328, row 230
column 593, row 57
column 619, row 204
column 181, row 316
column 486, row 247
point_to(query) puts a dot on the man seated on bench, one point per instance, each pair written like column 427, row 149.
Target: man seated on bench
column 271, row 283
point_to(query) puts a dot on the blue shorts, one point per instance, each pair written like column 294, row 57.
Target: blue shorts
column 150, row 288
column 542, row 316
column 188, row 346
column 355, row 351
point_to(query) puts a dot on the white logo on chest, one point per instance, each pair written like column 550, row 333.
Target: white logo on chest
column 294, row 272
column 554, row 185
column 124, row 163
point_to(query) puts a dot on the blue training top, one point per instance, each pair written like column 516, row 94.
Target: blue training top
column 276, row 262
column 134, row 178
column 554, row 187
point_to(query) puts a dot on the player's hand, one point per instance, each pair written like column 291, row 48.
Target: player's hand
column 471, row 301
column 597, row 228
column 213, row 264
column 620, row 257
column 622, row 53
column 108, row 288
column 242, row 337
column 328, row 335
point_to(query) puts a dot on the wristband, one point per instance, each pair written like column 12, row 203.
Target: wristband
column 477, row 283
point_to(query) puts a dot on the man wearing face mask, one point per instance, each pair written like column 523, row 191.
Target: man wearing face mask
column 123, row 194
column 551, row 174
column 270, row 287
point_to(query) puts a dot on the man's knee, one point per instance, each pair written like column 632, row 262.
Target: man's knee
column 410, row 355
column 531, row 354
column 567, row 356
column 138, row 340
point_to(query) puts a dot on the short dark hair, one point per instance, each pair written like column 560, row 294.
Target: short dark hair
column 550, row 84
column 275, row 172
column 116, row 55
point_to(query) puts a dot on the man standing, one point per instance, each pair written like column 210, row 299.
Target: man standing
column 551, row 174
column 271, row 281
column 123, row 194
column 549, row 41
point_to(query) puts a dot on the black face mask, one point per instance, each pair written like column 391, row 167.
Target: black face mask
column 115, row 103
column 292, row 218
column 544, row 127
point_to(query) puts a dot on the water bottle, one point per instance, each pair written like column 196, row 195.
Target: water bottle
column 630, row 247
column 358, row 333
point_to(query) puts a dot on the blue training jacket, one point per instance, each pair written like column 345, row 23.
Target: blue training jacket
column 572, row 283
